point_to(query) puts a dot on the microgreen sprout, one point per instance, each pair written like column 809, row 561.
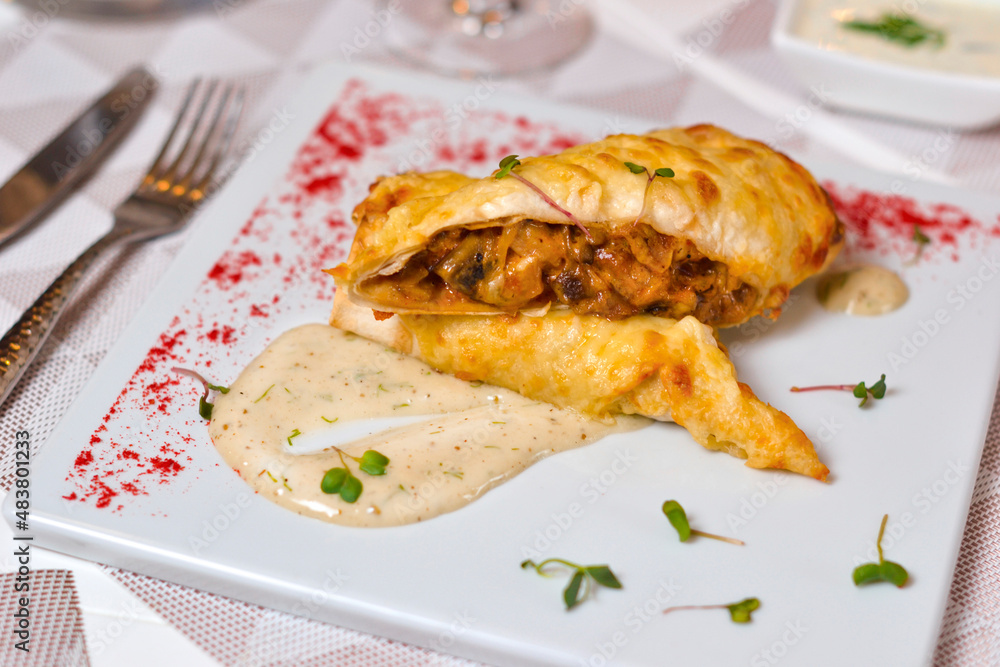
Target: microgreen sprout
column 901, row 28
column 883, row 570
column 664, row 172
column 204, row 407
column 860, row 390
column 922, row 241
column 341, row 481
column 739, row 612
column 580, row 583
column 295, row 433
column 507, row 169
column 678, row 519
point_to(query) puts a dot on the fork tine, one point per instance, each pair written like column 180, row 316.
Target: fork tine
column 157, row 165
column 225, row 140
column 206, row 139
column 168, row 177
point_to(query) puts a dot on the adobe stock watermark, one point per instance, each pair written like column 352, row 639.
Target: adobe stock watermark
column 461, row 622
column 212, row 528
column 544, row 538
column 712, row 29
column 928, row 328
column 456, row 114
column 780, row 647
column 34, row 22
column 634, row 621
column 362, row 37
column 92, row 138
column 752, row 504
column 922, row 502
column 99, row 640
column 560, row 13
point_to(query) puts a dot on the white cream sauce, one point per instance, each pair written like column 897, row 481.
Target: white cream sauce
column 971, row 41
column 865, row 290
column 448, row 441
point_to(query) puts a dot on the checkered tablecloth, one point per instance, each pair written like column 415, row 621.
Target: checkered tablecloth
column 52, row 65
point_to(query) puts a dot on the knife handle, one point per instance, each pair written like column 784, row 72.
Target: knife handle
column 21, row 343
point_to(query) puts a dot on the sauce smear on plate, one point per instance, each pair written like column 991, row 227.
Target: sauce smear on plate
column 448, row 441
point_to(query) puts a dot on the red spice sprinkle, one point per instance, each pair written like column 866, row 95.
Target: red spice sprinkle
column 227, row 335
column 130, row 454
column 329, row 183
column 106, row 493
column 885, row 222
column 95, row 439
column 228, row 271
column 166, row 466
column 84, row 459
column 71, row 496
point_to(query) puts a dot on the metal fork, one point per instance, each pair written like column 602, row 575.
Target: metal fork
column 175, row 185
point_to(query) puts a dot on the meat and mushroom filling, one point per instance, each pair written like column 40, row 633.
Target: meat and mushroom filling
column 530, row 264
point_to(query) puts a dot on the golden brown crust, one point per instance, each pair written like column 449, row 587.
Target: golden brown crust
column 644, row 365
column 738, row 201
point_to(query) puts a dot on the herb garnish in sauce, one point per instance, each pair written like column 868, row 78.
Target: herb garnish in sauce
column 739, row 612
column 580, row 584
column 859, row 390
column 665, row 172
column 883, row 570
column 204, row 407
column 678, row 519
column 507, row 169
column 900, row 28
column 341, row 481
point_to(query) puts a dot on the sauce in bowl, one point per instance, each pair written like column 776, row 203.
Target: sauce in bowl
column 971, row 43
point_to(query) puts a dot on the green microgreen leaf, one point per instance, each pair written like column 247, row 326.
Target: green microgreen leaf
column 740, row 611
column 373, row 462
column 579, row 584
column 506, row 165
column 900, row 28
column 205, row 408
column 333, row 480
column 603, row 575
column 351, row 490
column 295, row 433
column 678, row 519
column 571, row 595
column 217, row 387
column 883, row 570
column 635, row 168
column 919, row 236
column 665, row 172
column 878, row 389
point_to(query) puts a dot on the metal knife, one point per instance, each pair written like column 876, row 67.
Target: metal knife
column 50, row 175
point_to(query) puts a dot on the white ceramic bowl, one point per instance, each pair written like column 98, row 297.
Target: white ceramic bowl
column 859, row 83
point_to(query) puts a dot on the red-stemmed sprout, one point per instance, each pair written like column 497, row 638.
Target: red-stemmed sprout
column 506, row 169
column 876, row 391
column 204, row 407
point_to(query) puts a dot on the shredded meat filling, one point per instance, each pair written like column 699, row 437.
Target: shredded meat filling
column 529, row 264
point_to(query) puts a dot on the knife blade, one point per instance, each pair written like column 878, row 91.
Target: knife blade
column 75, row 153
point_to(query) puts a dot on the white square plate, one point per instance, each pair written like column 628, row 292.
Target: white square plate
column 130, row 477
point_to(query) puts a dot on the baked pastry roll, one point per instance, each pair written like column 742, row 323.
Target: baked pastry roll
column 646, row 365
column 725, row 238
